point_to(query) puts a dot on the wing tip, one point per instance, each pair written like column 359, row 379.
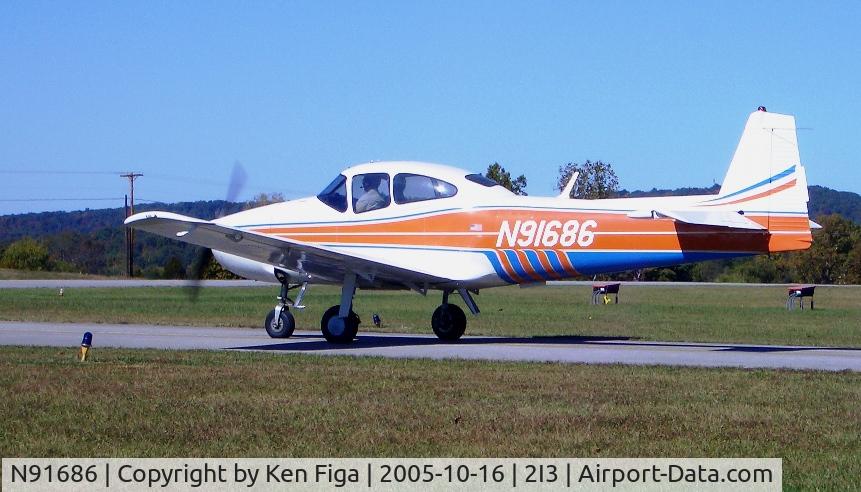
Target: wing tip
column 158, row 214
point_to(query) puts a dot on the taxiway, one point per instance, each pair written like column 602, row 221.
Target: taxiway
column 589, row 350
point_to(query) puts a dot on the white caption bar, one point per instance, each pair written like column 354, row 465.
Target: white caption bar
column 376, row 474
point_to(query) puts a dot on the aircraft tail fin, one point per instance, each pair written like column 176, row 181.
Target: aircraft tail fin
column 767, row 151
column 766, row 180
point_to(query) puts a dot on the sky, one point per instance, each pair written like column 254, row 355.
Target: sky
column 297, row 91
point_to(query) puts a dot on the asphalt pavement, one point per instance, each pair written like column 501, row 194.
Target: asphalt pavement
column 588, row 350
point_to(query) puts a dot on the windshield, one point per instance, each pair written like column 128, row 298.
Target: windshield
column 335, row 195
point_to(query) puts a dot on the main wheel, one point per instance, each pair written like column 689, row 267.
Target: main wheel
column 282, row 327
column 337, row 329
column 448, row 322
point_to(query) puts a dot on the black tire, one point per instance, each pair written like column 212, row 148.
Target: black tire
column 343, row 334
column 448, row 322
column 282, row 328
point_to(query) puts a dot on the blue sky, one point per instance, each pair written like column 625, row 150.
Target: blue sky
column 296, row 91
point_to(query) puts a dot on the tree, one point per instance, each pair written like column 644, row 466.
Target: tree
column 26, row 254
column 264, row 199
column 829, row 260
column 853, row 264
column 596, row 180
column 503, row 177
column 214, row 271
column 73, row 251
column 173, row 268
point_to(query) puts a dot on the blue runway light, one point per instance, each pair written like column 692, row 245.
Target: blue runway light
column 86, row 343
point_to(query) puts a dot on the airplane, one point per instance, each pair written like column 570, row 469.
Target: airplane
column 429, row 227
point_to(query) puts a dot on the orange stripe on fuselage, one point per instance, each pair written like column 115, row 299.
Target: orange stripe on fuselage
column 506, row 265
column 566, row 262
column 782, row 187
column 614, row 231
column 527, row 267
column 545, row 264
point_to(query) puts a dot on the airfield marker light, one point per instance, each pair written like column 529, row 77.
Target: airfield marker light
column 601, row 293
column 86, row 343
column 61, row 292
column 377, row 321
column 800, row 292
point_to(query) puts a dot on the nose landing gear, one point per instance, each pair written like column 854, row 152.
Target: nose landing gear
column 280, row 322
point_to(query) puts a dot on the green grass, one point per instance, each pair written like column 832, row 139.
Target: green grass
column 702, row 313
column 164, row 403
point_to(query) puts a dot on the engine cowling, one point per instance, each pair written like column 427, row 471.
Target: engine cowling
column 250, row 269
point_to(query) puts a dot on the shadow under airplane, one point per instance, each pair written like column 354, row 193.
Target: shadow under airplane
column 313, row 343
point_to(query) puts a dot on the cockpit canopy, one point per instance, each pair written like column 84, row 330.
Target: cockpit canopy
column 377, row 190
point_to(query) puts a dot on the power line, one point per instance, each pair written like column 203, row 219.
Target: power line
column 30, row 171
column 54, row 199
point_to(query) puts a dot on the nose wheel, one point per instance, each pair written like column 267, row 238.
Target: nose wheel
column 280, row 323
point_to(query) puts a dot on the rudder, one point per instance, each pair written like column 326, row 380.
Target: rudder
column 766, row 179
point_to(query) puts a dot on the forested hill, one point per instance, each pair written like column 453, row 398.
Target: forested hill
column 37, row 225
column 823, row 201
column 93, row 241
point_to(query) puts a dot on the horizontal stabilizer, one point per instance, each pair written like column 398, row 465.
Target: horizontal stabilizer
column 718, row 218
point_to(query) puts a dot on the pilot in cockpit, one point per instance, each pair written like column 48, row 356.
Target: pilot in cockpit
column 371, row 199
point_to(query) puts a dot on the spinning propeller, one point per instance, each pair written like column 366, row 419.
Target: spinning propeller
column 198, row 269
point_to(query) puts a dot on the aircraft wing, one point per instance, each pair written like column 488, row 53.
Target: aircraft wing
column 319, row 262
column 718, row 218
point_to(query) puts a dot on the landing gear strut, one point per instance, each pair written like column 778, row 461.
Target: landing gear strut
column 340, row 324
column 280, row 322
column 448, row 320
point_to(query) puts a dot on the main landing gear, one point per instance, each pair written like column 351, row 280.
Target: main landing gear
column 448, row 320
column 340, row 324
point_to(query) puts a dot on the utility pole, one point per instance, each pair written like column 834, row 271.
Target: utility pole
column 130, row 233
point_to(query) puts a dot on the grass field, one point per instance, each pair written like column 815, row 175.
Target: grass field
column 165, row 403
column 702, row 313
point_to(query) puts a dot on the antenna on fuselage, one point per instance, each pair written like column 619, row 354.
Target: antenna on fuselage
column 566, row 192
